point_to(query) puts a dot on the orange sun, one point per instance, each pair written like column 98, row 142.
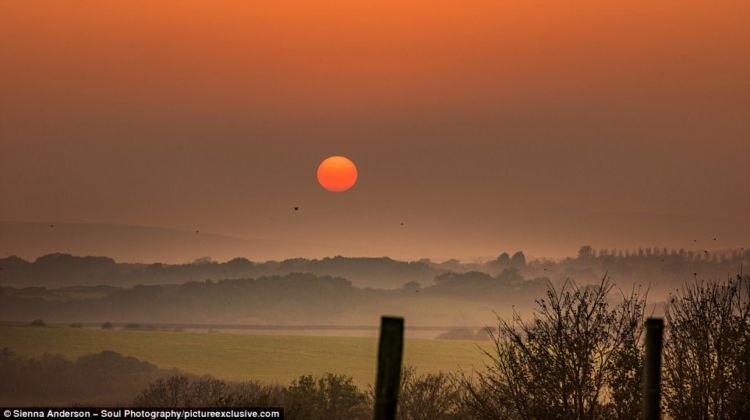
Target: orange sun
column 337, row 174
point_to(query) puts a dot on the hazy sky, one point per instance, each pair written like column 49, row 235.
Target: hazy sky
column 482, row 125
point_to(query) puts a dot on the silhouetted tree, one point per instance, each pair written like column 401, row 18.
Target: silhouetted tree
column 432, row 396
column 578, row 358
column 503, row 259
column 330, row 397
column 585, row 251
column 518, row 259
column 707, row 351
column 172, row 392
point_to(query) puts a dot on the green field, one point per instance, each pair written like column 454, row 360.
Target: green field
column 268, row 358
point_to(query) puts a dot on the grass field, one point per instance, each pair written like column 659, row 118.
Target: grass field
column 267, row 358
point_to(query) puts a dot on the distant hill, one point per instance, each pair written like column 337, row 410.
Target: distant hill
column 132, row 243
column 64, row 270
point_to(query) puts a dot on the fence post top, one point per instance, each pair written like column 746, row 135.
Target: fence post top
column 654, row 322
column 392, row 320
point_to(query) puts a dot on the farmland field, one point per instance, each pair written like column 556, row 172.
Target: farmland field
column 268, row 358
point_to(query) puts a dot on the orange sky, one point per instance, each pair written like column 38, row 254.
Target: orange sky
column 288, row 56
column 484, row 124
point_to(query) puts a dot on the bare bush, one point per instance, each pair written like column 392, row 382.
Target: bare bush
column 184, row 391
column 254, row 394
column 173, row 391
column 329, row 397
column 431, row 396
column 579, row 357
column 707, row 351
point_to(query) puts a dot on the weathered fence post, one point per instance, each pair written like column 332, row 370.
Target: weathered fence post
column 388, row 380
column 652, row 369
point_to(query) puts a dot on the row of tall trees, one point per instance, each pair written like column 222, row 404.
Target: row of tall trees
column 588, row 252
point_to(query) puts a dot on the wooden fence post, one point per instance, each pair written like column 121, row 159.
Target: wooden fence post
column 652, row 369
column 388, row 381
